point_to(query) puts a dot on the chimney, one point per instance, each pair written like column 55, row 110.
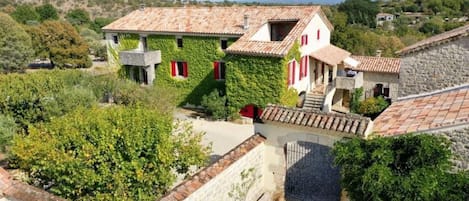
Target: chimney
column 246, row 22
column 378, row 53
column 142, row 7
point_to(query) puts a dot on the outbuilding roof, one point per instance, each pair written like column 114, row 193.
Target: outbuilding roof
column 378, row 64
column 330, row 54
column 437, row 39
column 343, row 123
column 222, row 21
column 425, row 112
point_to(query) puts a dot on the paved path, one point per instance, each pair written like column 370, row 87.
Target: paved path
column 224, row 136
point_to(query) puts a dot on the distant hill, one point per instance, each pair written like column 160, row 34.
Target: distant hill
column 326, row 2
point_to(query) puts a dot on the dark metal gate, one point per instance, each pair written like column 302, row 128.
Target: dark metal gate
column 310, row 173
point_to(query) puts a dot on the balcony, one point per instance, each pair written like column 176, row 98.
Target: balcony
column 349, row 83
column 140, row 58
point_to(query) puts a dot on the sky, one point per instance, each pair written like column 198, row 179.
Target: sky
column 292, row 1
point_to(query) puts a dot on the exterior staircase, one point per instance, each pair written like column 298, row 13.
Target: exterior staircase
column 314, row 101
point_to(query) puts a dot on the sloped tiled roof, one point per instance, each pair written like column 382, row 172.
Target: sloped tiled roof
column 344, row 123
column 222, row 21
column 330, row 54
column 437, row 39
column 423, row 113
column 16, row 190
column 378, row 64
column 186, row 188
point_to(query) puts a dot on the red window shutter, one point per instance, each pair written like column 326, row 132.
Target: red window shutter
column 306, row 65
column 186, row 71
column 306, row 39
column 293, row 70
column 301, row 68
column 319, row 34
column 173, row 68
column 289, row 74
column 216, row 72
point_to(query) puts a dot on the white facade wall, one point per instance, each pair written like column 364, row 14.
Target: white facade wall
column 217, row 188
column 263, row 34
column 311, row 30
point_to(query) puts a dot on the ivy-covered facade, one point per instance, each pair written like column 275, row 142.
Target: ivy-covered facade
column 254, row 55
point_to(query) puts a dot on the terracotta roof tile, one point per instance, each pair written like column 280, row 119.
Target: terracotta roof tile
column 437, row 39
column 189, row 186
column 378, row 64
column 330, row 54
column 16, row 190
column 221, row 21
column 421, row 113
column 344, row 123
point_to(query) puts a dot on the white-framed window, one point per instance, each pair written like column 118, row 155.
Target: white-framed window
column 179, row 69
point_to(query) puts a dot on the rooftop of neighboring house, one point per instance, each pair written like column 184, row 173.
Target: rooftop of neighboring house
column 427, row 112
column 378, row 64
column 436, row 40
column 348, row 124
column 18, row 191
column 330, row 54
column 223, row 21
column 187, row 187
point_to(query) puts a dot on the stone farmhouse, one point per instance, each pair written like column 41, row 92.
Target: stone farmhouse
column 435, row 63
column 256, row 53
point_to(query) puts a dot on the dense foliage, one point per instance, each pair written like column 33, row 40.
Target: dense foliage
column 47, row 12
column 360, row 11
column 411, row 167
column 8, row 129
column 215, row 104
column 355, row 100
column 372, row 106
column 25, row 14
column 124, row 153
column 78, row 17
column 15, row 45
column 61, row 43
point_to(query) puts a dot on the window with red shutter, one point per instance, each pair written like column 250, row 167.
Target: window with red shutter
column 216, row 73
column 306, row 66
column 173, row 68
column 301, row 69
column 319, row 34
column 306, row 39
column 185, row 69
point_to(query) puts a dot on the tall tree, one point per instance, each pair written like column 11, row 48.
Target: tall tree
column 78, row 17
column 15, row 45
column 47, row 12
column 25, row 14
column 360, row 11
column 114, row 153
column 61, row 43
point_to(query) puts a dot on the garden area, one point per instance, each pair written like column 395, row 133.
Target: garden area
column 86, row 137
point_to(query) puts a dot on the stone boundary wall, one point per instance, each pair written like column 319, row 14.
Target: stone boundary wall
column 435, row 68
column 217, row 181
column 459, row 146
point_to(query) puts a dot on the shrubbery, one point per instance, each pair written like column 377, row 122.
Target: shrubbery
column 215, row 104
column 8, row 129
column 411, row 167
column 372, row 106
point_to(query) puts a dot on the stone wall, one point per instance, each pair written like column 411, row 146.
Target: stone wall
column 435, row 68
column 459, row 146
column 370, row 79
column 219, row 187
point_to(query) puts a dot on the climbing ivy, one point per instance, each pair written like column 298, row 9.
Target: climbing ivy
column 199, row 53
column 259, row 80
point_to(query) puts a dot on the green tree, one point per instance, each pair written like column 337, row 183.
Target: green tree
column 8, row 129
column 47, row 12
column 99, row 23
column 78, row 17
column 114, row 153
column 25, row 14
column 360, row 11
column 15, row 45
column 410, row 167
column 61, row 43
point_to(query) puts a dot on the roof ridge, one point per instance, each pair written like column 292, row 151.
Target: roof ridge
column 422, row 95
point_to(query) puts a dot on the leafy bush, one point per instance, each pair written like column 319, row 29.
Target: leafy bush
column 8, row 129
column 15, row 45
column 371, row 106
column 47, row 12
column 215, row 104
column 289, row 98
column 78, row 17
column 411, row 167
column 112, row 153
column 25, row 14
column 355, row 100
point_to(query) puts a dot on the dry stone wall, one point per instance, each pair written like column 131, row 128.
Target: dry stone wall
column 435, row 68
column 459, row 146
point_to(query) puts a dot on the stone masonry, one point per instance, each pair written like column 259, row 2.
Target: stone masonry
column 391, row 80
column 459, row 146
column 437, row 67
